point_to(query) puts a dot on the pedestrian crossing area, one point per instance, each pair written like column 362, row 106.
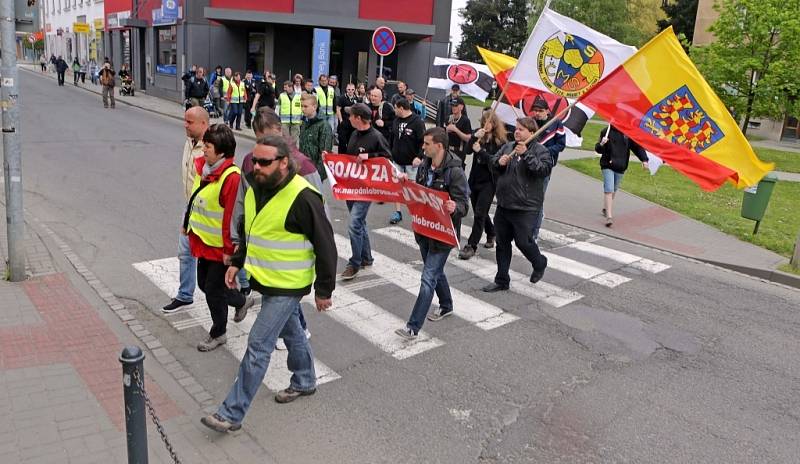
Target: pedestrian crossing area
column 375, row 319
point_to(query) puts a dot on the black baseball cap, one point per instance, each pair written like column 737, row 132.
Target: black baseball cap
column 361, row 110
column 455, row 87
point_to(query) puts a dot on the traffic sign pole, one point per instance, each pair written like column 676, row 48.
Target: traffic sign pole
column 380, row 73
column 383, row 42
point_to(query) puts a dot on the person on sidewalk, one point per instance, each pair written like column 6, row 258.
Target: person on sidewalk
column 382, row 113
column 265, row 93
column 344, row 129
column 484, row 144
column 519, row 173
column 237, row 98
column 107, row 80
column 76, row 71
column 406, row 141
column 366, row 142
column 289, row 248
column 290, row 109
column 444, row 106
column 266, row 122
column 440, row 170
column 554, row 139
column 207, row 222
column 326, row 100
column 251, row 90
column 195, row 122
column 615, row 148
column 61, row 70
column 197, row 88
column 417, row 107
column 43, row 62
column 315, row 133
column 459, row 129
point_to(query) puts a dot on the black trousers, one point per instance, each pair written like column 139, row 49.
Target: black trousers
column 515, row 225
column 481, row 196
column 60, row 78
column 211, row 280
column 248, row 117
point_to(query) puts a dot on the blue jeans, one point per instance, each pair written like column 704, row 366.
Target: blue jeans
column 611, row 180
column 537, row 224
column 279, row 317
column 242, row 277
column 433, row 279
column 359, row 235
column 188, row 270
column 235, row 115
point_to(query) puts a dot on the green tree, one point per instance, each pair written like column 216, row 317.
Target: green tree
column 498, row 25
column 753, row 63
column 681, row 15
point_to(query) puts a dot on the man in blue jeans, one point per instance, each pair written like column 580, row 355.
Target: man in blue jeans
column 288, row 248
column 195, row 122
column 440, row 170
column 366, row 142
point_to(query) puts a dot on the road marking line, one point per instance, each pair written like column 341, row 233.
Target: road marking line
column 622, row 257
column 165, row 274
column 467, row 307
column 572, row 267
column 485, row 269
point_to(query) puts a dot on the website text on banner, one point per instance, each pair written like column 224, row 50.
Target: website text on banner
column 375, row 180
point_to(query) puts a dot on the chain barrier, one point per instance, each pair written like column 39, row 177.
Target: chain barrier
column 137, row 378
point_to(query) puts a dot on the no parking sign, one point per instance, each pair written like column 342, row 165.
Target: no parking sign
column 383, row 41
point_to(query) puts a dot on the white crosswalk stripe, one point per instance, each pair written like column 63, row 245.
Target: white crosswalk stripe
column 164, row 273
column 572, row 267
column 485, row 269
column 484, row 315
column 609, row 253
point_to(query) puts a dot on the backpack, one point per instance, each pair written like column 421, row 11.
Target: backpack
column 105, row 78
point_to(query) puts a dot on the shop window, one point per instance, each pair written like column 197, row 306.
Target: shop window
column 167, row 51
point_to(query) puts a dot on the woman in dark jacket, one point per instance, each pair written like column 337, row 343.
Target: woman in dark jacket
column 614, row 148
column 485, row 142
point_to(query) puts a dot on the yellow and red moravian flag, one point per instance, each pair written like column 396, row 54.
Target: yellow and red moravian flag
column 659, row 99
column 518, row 99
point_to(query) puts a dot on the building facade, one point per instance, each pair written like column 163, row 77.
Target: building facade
column 282, row 36
column 74, row 29
column 26, row 23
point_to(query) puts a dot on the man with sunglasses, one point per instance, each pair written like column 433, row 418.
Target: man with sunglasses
column 288, row 248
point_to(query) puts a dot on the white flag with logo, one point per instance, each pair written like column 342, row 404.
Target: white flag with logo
column 566, row 57
column 474, row 79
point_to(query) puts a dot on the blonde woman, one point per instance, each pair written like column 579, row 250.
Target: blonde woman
column 483, row 144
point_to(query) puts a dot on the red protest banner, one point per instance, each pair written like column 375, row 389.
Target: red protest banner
column 370, row 180
column 374, row 180
column 428, row 216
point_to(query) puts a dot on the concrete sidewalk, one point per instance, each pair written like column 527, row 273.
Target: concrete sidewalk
column 576, row 199
column 61, row 389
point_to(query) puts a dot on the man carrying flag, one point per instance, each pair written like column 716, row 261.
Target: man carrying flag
column 554, row 140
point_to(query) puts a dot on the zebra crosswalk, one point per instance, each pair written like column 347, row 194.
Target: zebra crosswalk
column 374, row 320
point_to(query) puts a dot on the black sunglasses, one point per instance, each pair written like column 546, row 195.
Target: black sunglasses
column 263, row 162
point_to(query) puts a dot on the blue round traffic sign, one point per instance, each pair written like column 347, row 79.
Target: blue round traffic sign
column 383, row 41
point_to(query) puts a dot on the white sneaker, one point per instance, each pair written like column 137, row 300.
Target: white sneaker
column 280, row 345
column 308, row 334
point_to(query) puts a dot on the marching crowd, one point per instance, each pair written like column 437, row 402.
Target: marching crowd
column 265, row 226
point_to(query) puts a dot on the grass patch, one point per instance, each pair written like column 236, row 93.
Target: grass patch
column 591, row 134
column 785, row 161
column 472, row 101
column 789, row 268
column 720, row 209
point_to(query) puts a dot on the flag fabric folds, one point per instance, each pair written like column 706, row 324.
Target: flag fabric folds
column 518, row 99
column 660, row 100
column 474, row 79
column 566, row 57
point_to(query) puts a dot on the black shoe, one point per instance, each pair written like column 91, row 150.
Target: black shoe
column 493, row 287
column 537, row 275
column 366, row 263
column 246, row 291
column 489, row 242
column 175, row 305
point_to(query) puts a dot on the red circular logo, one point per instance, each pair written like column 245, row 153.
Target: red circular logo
column 462, row 73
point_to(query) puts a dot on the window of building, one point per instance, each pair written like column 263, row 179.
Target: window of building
column 167, row 50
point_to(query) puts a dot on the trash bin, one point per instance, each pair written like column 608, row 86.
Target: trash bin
column 756, row 199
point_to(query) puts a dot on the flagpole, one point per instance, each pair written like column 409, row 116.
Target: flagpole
column 550, row 122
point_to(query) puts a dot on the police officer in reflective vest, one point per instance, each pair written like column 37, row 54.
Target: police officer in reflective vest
column 207, row 223
column 288, row 247
column 326, row 97
column 290, row 110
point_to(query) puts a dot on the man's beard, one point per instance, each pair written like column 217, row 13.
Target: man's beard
column 268, row 181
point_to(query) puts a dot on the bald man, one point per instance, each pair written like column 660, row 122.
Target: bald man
column 195, row 121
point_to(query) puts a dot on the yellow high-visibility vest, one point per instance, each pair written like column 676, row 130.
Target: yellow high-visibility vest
column 326, row 102
column 276, row 257
column 238, row 92
column 291, row 110
column 205, row 219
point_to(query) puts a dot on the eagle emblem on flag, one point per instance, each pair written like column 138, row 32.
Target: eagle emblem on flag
column 679, row 119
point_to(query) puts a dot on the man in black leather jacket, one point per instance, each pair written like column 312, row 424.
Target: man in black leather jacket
column 519, row 170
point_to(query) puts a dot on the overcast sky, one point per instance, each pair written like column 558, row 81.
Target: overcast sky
column 455, row 22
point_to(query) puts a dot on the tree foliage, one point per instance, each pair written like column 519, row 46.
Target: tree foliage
column 631, row 22
column 498, row 25
column 681, row 15
column 753, row 63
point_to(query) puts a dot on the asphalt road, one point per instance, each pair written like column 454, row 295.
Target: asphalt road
column 689, row 364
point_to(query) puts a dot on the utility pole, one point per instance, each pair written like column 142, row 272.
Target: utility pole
column 12, row 153
column 795, row 261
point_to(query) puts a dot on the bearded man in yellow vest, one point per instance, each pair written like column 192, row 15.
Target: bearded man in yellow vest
column 288, row 247
column 207, row 222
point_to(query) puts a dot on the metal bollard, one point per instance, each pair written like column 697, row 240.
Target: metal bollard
column 132, row 360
